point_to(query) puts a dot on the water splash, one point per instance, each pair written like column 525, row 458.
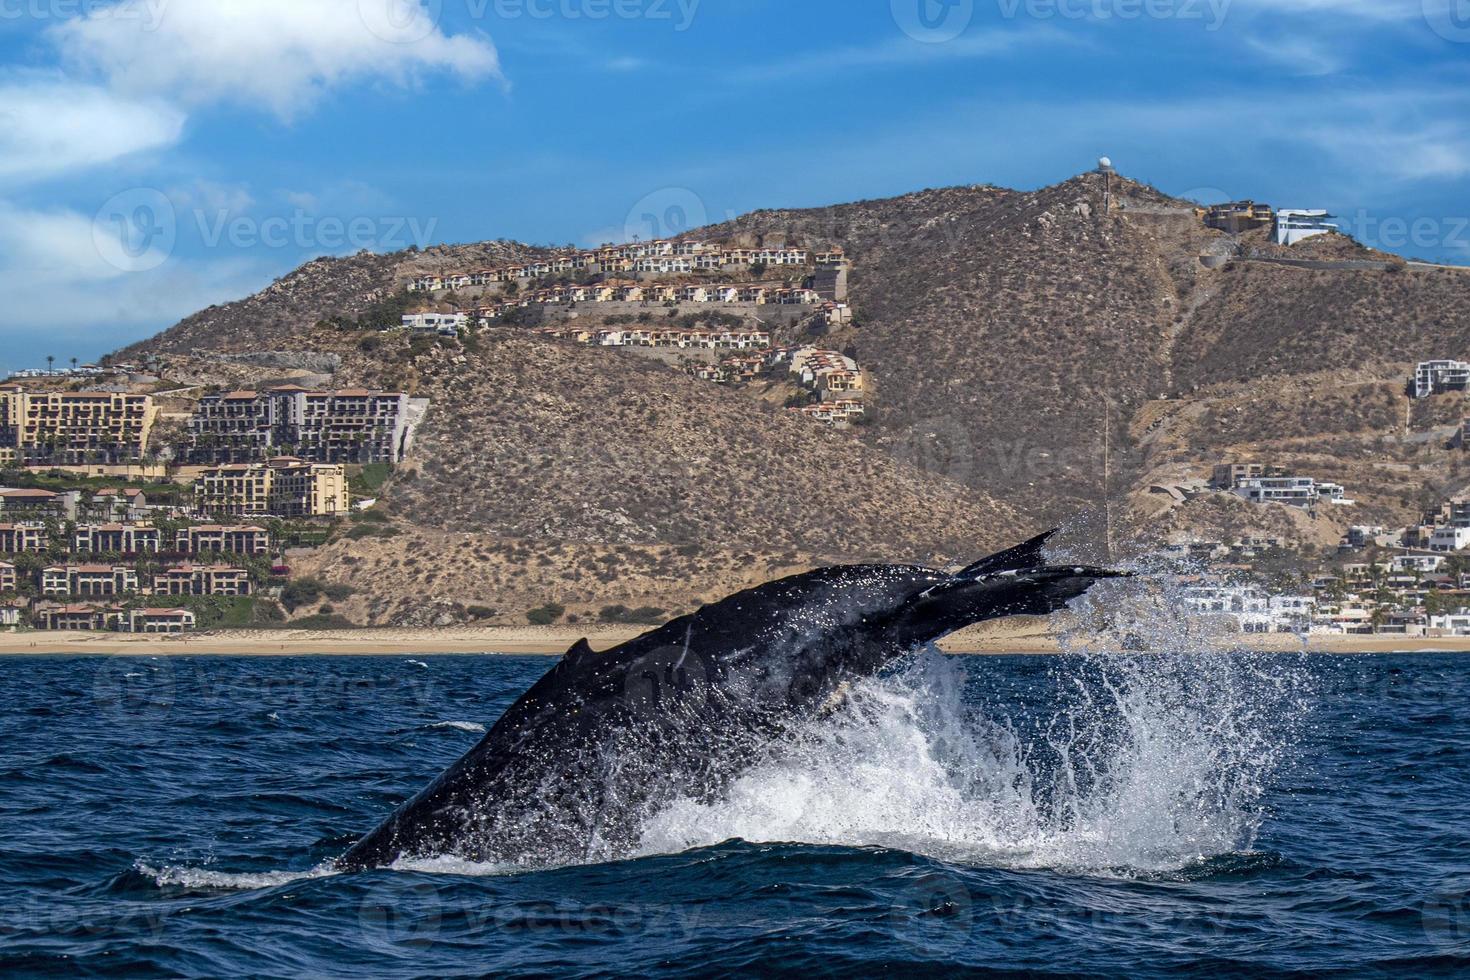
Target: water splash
column 1141, row 762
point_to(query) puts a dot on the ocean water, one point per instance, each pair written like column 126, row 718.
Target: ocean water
column 1101, row 814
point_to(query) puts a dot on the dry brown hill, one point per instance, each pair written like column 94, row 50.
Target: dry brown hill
column 1011, row 338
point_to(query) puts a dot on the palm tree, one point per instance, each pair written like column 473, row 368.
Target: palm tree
column 50, row 360
column 73, row 365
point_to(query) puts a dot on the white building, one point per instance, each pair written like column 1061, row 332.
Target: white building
column 1296, row 224
column 1252, row 610
column 1294, row 491
column 1433, row 377
column 1417, row 563
column 443, row 324
column 1455, row 624
column 1449, row 538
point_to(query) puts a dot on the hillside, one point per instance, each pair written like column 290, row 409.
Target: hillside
column 1030, row 356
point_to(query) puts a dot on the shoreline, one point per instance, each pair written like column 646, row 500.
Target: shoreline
column 555, row 640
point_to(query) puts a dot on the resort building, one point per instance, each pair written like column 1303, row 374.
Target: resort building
column 242, row 539
column 8, row 581
column 202, row 580
column 159, row 620
column 126, row 539
column 76, row 617
column 73, row 427
column 1434, row 377
column 26, row 502
column 88, row 580
column 18, row 538
column 1296, row 225
column 349, row 426
column 283, row 487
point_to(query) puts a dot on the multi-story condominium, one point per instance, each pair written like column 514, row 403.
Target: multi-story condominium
column 127, row 539
column 350, row 426
column 1433, row 377
column 8, row 581
column 202, row 580
column 664, row 265
column 26, row 502
column 88, row 580
column 77, row 617
column 284, row 487
column 241, row 539
column 73, row 427
column 17, row 538
column 158, row 621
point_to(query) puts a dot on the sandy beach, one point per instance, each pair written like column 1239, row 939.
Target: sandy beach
column 1021, row 638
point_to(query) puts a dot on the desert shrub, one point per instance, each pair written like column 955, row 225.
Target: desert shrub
column 643, row 615
column 300, row 592
column 482, row 612
column 545, row 615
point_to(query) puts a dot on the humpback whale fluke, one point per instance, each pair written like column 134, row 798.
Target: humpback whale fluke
column 602, row 740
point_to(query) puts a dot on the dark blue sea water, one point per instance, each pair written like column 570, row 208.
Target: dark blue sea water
column 1094, row 815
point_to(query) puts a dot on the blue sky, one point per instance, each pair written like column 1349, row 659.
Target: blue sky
column 161, row 155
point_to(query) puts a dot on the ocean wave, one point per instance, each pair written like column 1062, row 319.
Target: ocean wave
column 463, row 726
column 186, row 877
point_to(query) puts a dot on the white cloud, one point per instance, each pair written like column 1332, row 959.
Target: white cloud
column 51, row 254
column 1299, row 56
column 49, row 127
column 280, row 55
